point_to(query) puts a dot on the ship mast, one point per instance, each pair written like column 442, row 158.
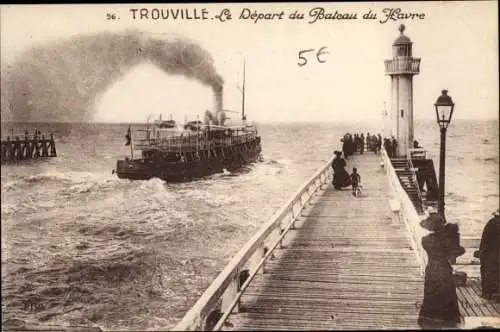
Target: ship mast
column 243, row 117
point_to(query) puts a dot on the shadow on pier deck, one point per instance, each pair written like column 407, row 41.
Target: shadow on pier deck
column 346, row 266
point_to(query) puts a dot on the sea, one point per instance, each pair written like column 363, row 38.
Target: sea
column 82, row 247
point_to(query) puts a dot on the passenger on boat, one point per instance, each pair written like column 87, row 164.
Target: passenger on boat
column 340, row 175
column 440, row 305
column 379, row 143
column 489, row 256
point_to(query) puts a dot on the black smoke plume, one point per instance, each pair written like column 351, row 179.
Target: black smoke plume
column 60, row 81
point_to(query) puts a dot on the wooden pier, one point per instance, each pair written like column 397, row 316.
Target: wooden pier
column 346, row 266
column 18, row 148
column 328, row 260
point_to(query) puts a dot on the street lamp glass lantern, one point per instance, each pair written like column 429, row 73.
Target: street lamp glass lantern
column 444, row 109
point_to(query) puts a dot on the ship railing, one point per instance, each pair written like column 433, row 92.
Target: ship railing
column 191, row 142
column 223, row 296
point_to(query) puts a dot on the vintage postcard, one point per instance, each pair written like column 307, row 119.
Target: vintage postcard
column 250, row 166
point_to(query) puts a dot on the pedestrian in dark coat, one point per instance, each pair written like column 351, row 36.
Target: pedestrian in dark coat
column 440, row 305
column 340, row 175
column 489, row 256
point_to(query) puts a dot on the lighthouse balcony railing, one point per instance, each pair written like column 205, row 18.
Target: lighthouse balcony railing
column 402, row 65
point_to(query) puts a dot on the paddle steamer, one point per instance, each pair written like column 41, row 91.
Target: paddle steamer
column 197, row 149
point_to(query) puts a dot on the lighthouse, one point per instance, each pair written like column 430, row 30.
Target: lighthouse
column 401, row 69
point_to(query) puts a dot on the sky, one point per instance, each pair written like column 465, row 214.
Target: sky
column 457, row 42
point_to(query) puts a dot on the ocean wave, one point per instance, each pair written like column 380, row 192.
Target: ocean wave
column 154, row 184
column 271, row 162
column 491, row 159
column 10, row 208
column 90, row 186
column 494, row 159
column 488, row 195
column 209, row 195
column 29, row 203
column 115, row 232
column 456, row 197
column 279, row 162
column 57, row 178
column 124, row 266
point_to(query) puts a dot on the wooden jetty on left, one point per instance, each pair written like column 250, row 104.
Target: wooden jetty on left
column 16, row 148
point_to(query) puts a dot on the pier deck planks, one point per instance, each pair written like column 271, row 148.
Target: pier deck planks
column 345, row 266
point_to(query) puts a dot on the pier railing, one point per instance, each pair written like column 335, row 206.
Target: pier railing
column 407, row 212
column 223, row 296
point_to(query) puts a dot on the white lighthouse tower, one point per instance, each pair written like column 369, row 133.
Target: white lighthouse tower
column 401, row 68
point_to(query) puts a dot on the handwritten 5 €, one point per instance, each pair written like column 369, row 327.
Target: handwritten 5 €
column 303, row 60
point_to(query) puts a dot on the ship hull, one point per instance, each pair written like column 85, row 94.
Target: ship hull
column 230, row 158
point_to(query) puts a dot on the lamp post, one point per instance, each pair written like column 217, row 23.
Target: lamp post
column 444, row 110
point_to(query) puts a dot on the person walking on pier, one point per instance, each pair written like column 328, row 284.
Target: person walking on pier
column 355, row 180
column 340, row 175
column 345, row 148
column 440, row 304
column 489, row 256
column 394, row 147
column 379, row 143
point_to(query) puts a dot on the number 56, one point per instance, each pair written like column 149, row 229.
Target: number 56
column 318, row 54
